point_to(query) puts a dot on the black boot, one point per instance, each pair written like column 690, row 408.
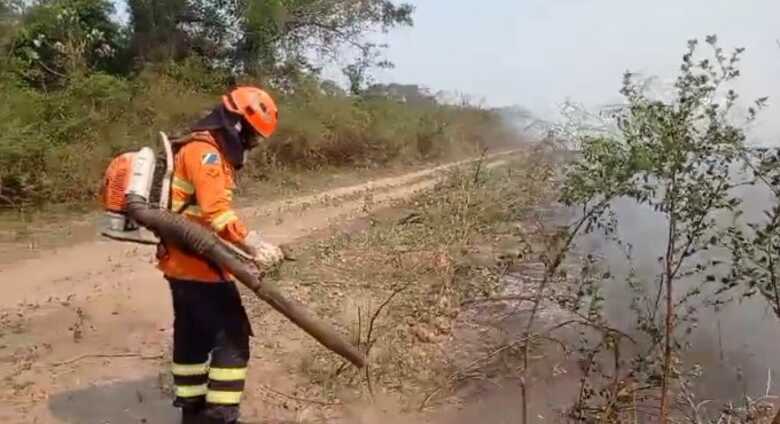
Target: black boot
column 189, row 416
column 191, row 410
column 221, row 415
column 193, row 415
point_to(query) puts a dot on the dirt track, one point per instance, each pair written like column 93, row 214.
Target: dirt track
column 83, row 329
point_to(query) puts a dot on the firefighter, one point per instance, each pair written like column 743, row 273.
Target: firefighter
column 211, row 330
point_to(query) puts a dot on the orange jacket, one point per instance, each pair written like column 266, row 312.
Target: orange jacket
column 202, row 190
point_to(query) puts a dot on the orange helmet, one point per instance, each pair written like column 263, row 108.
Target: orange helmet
column 255, row 106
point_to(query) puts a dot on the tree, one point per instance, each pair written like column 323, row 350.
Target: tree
column 280, row 32
column 676, row 156
column 267, row 38
column 10, row 12
column 64, row 37
column 176, row 29
column 155, row 29
column 755, row 247
column 405, row 93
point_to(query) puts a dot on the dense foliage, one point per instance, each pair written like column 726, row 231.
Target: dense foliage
column 79, row 86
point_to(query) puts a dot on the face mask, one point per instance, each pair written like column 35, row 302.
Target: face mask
column 239, row 129
column 253, row 141
column 249, row 137
column 230, row 140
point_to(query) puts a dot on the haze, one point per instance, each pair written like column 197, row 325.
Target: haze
column 536, row 53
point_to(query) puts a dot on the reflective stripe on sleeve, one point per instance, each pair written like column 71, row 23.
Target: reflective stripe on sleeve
column 192, row 210
column 222, row 220
column 183, row 185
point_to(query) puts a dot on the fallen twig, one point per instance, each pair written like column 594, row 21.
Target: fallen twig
column 521, row 342
column 296, row 398
column 369, row 342
column 339, row 370
column 360, row 325
column 429, row 397
column 5, row 199
column 551, row 268
column 479, row 165
column 520, row 298
column 108, row 355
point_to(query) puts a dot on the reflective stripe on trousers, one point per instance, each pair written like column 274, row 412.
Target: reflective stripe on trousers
column 226, row 385
column 190, row 380
column 220, row 386
column 210, row 346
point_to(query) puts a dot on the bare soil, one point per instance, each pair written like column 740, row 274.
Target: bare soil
column 85, row 328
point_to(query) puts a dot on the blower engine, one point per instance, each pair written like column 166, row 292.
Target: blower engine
column 136, row 173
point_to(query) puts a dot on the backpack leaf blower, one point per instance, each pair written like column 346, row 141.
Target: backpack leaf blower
column 131, row 205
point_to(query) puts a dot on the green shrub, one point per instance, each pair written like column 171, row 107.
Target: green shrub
column 79, row 88
column 55, row 145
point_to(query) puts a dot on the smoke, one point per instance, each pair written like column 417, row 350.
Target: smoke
column 736, row 345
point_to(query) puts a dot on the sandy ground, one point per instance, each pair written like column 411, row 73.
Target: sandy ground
column 84, row 329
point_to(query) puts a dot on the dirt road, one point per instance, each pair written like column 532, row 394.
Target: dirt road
column 84, row 330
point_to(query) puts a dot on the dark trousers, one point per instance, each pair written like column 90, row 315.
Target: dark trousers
column 210, row 349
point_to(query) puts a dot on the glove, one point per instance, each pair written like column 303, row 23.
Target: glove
column 266, row 254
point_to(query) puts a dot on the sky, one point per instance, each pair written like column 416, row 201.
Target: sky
column 536, row 53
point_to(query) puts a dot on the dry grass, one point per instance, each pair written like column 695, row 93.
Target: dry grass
column 397, row 287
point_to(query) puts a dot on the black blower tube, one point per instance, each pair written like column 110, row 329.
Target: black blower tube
column 194, row 239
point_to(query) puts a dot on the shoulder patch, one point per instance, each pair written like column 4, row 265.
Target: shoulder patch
column 210, row 159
